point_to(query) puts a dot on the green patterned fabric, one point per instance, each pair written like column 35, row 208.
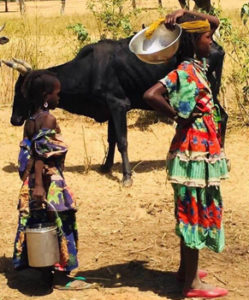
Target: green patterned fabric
column 199, row 213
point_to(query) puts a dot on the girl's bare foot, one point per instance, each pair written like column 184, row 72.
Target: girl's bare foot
column 205, row 291
column 64, row 282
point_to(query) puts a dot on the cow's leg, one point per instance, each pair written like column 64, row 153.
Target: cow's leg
column 107, row 165
column 120, row 125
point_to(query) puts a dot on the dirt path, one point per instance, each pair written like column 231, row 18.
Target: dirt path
column 126, row 235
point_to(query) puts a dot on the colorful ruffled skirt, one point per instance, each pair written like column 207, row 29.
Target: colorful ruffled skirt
column 198, row 201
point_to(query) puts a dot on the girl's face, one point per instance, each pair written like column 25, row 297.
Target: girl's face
column 53, row 98
column 203, row 45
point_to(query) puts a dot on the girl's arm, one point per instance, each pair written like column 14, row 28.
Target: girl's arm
column 171, row 19
column 39, row 193
column 29, row 128
column 156, row 98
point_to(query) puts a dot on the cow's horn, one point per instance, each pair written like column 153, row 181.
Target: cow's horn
column 15, row 66
column 23, row 63
column 2, row 27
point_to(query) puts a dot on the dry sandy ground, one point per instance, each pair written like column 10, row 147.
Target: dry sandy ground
column 127, row 238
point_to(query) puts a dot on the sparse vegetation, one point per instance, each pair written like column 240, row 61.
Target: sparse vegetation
column 55, row 39
column 127, row 241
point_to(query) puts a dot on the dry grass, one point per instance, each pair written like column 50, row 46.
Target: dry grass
column 46, row 41
column 119, row 228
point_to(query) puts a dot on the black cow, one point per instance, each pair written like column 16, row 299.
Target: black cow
column 104, row 81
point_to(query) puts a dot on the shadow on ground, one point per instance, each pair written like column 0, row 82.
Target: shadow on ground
column 28, row 282
column 130, row 274
column 141, row 166
column 136, row 274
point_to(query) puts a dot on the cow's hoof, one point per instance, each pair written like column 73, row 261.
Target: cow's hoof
column 127, row 182
column 105, row 169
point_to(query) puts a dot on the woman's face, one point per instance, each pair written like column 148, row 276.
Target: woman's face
column 53, row 98
column 203, row 45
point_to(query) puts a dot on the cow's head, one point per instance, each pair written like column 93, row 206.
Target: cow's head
column 3, row 39
column 20, row 109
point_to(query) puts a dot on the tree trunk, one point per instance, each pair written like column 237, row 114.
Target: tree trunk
column 134, row 4
column 22, row 6
column 63, row 3
column 6, row 5
column 160, row 3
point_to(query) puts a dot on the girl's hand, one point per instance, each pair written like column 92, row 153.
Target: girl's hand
column 171, row 19
column 186, row 122
column 39, row 193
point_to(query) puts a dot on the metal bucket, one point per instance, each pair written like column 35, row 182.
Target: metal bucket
column 42, row 245
column 160, row 48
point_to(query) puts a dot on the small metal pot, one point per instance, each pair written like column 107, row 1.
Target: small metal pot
column 42, row 244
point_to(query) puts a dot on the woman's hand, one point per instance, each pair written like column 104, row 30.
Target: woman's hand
column 171, row 19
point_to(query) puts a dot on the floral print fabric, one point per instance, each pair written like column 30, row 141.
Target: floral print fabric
column 48, row 146
column 195, row 162
column 195, row 149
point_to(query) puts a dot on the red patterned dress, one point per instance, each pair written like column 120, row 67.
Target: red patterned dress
column 196, row 162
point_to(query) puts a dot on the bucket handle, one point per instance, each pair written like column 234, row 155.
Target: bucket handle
column 49, row 204
column 58, row 222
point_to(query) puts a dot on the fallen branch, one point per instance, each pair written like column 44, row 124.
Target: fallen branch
column 216, row 277
column 141, row 250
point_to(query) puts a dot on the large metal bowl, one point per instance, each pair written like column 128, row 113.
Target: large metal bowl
column 162, row 45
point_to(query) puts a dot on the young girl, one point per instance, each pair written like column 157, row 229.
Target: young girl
column 195, row 162
column 41, row 161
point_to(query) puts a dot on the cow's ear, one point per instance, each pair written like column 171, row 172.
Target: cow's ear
column 3, row 40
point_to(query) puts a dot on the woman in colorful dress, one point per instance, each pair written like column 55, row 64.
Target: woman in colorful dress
column 41, row 163
column 196, row 162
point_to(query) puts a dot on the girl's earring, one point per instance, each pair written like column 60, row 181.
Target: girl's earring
column 45, row 105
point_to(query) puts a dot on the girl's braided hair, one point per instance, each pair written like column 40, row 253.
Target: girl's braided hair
column 36, row 85
column 188, row 40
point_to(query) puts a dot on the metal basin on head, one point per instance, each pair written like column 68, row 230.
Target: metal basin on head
column 162, row 45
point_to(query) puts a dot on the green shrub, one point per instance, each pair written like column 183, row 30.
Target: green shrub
column 112, row 20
